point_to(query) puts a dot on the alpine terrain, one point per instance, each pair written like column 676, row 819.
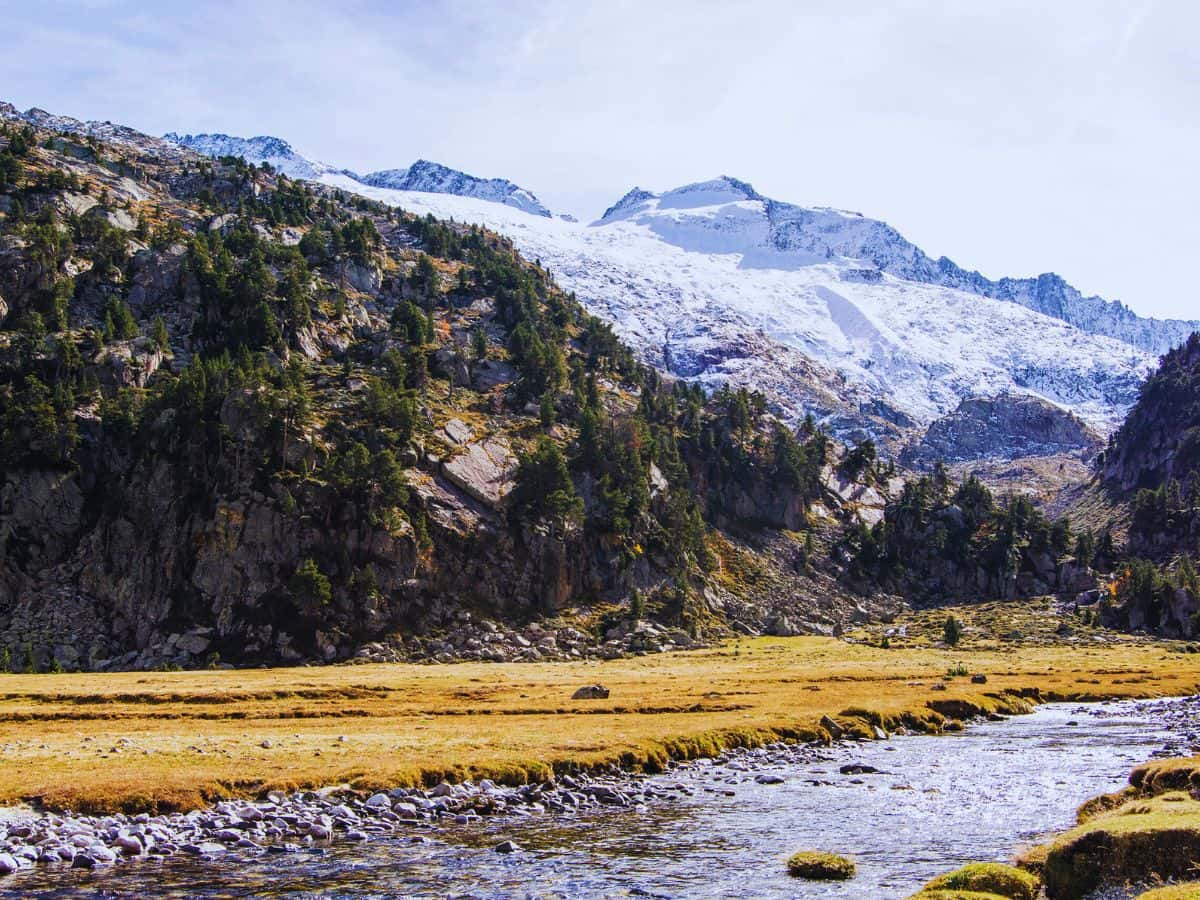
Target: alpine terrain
column 825, row 311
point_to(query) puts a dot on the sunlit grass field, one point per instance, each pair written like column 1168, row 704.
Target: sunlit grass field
column 178, row 739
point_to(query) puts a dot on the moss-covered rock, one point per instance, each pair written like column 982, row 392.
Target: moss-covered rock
column 818, row 866
column 988, row 878
column 956, row 895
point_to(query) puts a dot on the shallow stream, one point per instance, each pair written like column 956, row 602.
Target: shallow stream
column 937, row 802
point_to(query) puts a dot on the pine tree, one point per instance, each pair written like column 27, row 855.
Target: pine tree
column 546, row 410
column 543, row 486
column 952, row 631
column 158, row 334
column 310, row 584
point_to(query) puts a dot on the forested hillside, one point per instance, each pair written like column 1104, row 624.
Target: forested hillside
column 249, row 418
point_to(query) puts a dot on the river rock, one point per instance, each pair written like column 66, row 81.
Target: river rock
column 834, row 729
column 508, row 847
column 858, row 769
column 591, row 692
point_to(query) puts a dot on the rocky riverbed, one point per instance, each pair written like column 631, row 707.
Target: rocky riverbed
column 292, row 823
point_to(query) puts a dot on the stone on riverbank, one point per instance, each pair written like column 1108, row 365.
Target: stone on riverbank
column 591, row 692
column 815, row 865
column 987, row 878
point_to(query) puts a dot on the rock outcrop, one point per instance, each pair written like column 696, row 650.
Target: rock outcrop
column 1003, row 427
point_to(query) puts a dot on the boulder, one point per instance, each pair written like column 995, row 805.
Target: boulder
column 835, row 730
column 485, row 471
column 453, row 365
column 591, row 692
column 459, row 431
column 120, row 219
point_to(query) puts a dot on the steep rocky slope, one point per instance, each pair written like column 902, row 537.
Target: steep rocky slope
column 249, row 418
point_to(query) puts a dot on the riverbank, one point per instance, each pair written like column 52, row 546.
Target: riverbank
column 905, row 808
column 174, row 741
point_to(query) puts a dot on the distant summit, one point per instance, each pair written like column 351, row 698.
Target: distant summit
column 876, row 247
column 423, row 175
column 435, row 178
column 277, row 152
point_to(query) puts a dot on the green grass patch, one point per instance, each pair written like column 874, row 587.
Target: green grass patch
column 815, row 865
column 988, row 878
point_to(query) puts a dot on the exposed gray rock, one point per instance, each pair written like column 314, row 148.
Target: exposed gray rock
column 1006, row 427
column 591, row 692
column 485, row 471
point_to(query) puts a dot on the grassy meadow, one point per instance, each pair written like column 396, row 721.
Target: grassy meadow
column 171, row 740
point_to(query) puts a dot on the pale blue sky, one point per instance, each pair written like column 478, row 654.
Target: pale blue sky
column 1013, row 137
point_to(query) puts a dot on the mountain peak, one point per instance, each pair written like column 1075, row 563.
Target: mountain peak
column 282, row 156
column 634, row 199
column 435, row 178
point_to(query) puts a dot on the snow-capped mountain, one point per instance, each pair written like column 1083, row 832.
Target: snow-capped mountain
column 435, row 178
column 422, row 175
column 276, row 151
column 833, row 233
column 717, row 283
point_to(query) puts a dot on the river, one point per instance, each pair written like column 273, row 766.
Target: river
column 937, row 802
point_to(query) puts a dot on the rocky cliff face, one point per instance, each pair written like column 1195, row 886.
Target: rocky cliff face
column 1003, row 427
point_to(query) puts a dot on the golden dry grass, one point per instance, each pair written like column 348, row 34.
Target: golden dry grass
column 175, row 740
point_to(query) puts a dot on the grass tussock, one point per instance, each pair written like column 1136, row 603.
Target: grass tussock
column 990, row 878
column 815, row 865
column 1187, row 891
column 1145, row 839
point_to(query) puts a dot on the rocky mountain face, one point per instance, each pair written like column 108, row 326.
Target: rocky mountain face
column 245, row 417
column 1000, row 428
column 828, row 312
column 719, row 286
